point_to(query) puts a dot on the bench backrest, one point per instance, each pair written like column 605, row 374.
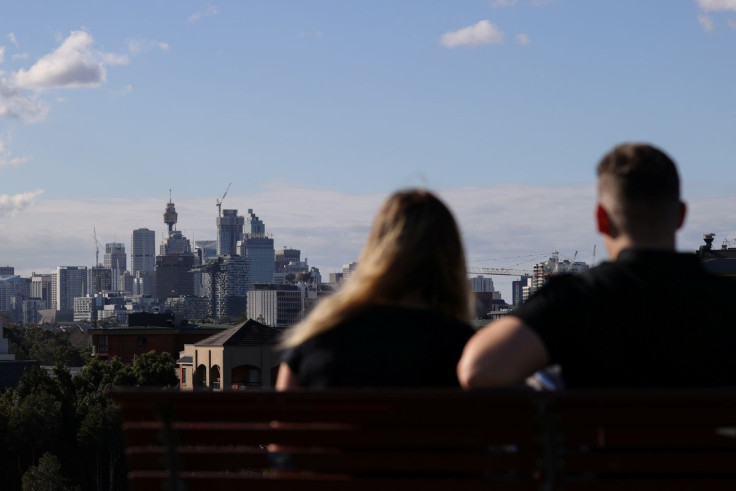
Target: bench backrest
column 428, row 439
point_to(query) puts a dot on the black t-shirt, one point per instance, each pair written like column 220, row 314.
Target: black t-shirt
column 649, row 319
column 383, row 346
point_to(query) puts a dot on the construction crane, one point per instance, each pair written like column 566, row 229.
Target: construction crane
column 97, row 247
column 219, row 201
column 499, row 271
column 593, row 264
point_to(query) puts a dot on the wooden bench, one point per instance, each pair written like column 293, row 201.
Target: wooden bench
column 430, row 440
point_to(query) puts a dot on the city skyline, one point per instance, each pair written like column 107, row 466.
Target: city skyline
column 317, row 112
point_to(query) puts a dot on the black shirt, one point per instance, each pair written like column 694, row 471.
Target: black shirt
column 651, row 318
column 383, row 346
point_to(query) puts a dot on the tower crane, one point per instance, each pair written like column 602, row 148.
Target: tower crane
column 219, row 201
column 594, row 246
column 97, row 247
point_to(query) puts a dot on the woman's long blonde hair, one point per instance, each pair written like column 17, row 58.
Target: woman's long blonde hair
column 413, row 252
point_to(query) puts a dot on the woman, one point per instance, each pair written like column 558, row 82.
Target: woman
column 402, row 317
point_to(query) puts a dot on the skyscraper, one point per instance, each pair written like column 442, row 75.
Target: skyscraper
column 43, row 287
column 99, row 279
column 257, row 247
column 115, row 257
column 10, row 284
column 71, row 281
column 254, row 226
column 259, row 252
column 229, row 232
column 142, row 250
column 285, row 256
column 116, row 261
column 174, row 276
column 226, row 286
column 481, row 284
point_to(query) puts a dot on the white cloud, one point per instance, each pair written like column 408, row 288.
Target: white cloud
column 496, row 222
column 207, row 12
column 138, row 45
column 75, row 63
column 125, row 91
column 706, row 22
column 12, row 204
column 502, row 3
column 2, row 53
column 19, row 56
column 523, row 39
column 717, row 5
column 484, row 32
column 309, row 34
column 6, row 159
column 17, row 104
column 13, row 40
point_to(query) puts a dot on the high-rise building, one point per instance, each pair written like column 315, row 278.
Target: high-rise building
column 116, row 260
column 541, row 272
column 143, row 283
column 175, row 243
column 174, row 276
column 115, row 257
column 481, row 284
column 10, row 286
column 285, row 256
column 43, row 287
column 275, row 305
column 30, row 310
column 7, row 270
column 517, row 289
column 71, row 281
column 142, row 250
column 5, row 354
column 227, row 285
column 254, row 226
column 99, row 279
column 205, row 250
column 348, row 270
column 259, row 251
column 229, row 232
column 188, row 307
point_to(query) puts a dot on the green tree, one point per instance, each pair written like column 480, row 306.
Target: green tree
column 47, row 346
column 157, row 370
column 35, row 426
column 46, row 476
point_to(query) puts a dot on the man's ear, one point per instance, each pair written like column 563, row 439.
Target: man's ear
column 683, row 213
column 603, row 220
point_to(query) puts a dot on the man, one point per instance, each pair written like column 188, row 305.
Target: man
column 650, row 317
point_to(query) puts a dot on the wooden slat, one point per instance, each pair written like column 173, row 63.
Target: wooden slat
column 652, row 462
column 331, row 460
column 652, row 484
column 203, row 481
column 666, row 439
column 658, row 436
column 244, row 434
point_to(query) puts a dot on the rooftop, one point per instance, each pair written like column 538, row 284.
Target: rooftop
column 249, row 333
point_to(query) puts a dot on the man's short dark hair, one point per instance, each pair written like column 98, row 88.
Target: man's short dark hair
column 642, row 187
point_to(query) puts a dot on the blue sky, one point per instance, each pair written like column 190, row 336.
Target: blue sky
column 316, row 110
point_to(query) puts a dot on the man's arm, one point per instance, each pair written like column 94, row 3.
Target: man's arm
column 502, row 354
column 286, row 379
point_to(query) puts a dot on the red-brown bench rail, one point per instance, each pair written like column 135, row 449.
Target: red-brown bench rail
column 440, row 439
